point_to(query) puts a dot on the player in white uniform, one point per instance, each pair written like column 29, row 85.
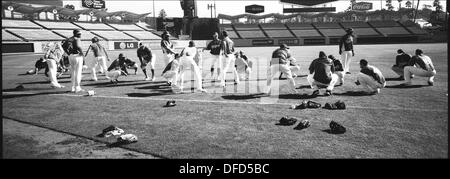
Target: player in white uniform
column 167, row 48
column 346, row 49
column 100, row 56
column 187, row 61
column 280, row 63
column 370, row 78
column 425, row 68
column 52, row 56
column 227, row 46
column 75, row 59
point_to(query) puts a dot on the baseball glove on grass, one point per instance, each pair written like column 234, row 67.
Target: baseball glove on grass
column 337, row 128
column 287, row 121
column 302, row 125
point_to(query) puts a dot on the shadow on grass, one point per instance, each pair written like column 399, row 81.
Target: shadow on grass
column 329, row 131
column 119, row 84
column 118, row 144
column 353, row 93
column 304, row 87
column 393, row 79
column 296, row 96
column 17, row 95
column 157, row 86
column 244, row 97
column 161, row 93
column 401, row 86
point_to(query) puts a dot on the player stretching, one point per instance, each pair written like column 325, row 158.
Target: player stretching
column 145, row 56
column 425, row 68
column 187, row 61
column 370, row 78
column 167, row 48
column 227, row 46
column 99, row 54
column 401, row 61
column 215, row 50
column 321, row 72
column 280, row 63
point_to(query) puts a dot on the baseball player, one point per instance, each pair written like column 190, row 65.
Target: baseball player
column 123, row 63
column 145, row 56
column 100, row 56
column 167, row 48
column 227, row 47
column 215, row 50
column 114, row 71
column 346, row 49
column 38, row 66
column 321, row 72
column 243, row 65
column 401, row 60
column 52, row 56
column 281, row 57
column 338, row 70
column 370, row 78
column 171, row 71
column 421, row 66
column 293, row 66
column 187, row 61
column 72, row 47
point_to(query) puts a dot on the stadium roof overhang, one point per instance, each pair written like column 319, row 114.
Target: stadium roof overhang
column 307, row 2
column 28, row 9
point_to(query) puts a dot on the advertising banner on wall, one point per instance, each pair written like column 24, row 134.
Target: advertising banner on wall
column 362, row 6
column 125, row 45
column 95, row 4
column 262, row 42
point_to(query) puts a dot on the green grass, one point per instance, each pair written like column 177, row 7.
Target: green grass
column 398, row 123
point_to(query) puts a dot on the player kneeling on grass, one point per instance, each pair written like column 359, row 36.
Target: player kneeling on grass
column 279, row 63
column 370, row 78
column 243, row 66
column 115, row 70
column 321, row 72
column 38, row 66
column 124, row 63
column 338, row 69
column 401, row 61
column 425, row 68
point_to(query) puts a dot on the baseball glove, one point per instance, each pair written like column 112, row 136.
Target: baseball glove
column 302, row 105
column 312, row 104
column 286, row 121
column 302, row 125
column 340, row 105
column 337, row 128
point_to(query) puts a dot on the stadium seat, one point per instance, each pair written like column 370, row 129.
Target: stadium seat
column 329, row 25
column 57, row 25
column 36, row 34
column 365, row 32
column 93, row 26
column 7, row 23
column 279, row 33
column 6, row 36
column 143, row 35
column 393, row 31
column 127, row 27
column 85, row 35
column 355, row 24
column 298, row 26
column 384, row 23
column 332, row 32
column 306, row 33
column 273, row 26
column 112, row 35
column 250, row 34
column 144, row 26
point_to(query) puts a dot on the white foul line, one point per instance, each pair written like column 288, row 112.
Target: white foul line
column 240, row 102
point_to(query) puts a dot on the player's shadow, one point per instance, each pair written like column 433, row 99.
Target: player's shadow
column 244, row 97
column 159, row 92
column 108, row 84
column 296, row 96
column 304, row 87
column 17, row 95
column 353, row 93
column 329, row 131
column 402, row 86
column 393, row 79
column 156, row 86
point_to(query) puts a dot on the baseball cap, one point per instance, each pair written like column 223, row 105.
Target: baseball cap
column 76, row 31
column 349, row 30
column 284, row 46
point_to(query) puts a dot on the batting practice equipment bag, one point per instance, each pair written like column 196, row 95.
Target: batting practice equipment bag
column 286, row 121
column 337, row 128
column 302, row 125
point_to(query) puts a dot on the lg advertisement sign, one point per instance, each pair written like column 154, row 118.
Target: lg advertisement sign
column 254, row 9
column 95, row 4
column 362, row 6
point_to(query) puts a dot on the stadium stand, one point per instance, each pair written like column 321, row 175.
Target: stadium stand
column 249, row 31
column 329, row 25
column 414, row 28
column 6, row 36
column 143, row 35
column 299, row 26
column 355, row 25
column 24, row 24
column 85, row 35
column 377, row 24
column 124, row 27
column 365, row 32
column 112, row 35
column 229, row 28
column 306, row 33
column 392, row 31
column 144, row 26
column 93, row 26
column 332, row 32
column 276, row 30
column 36, row 34
column 57, row 25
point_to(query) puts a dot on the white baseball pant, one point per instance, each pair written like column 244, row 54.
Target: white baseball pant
column 368, row 83
column 314, row 84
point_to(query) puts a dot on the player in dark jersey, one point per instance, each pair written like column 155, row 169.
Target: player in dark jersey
column 215, row 50
column 401, row 61
column 38, row 66
column 145, row 56
column 346, row 49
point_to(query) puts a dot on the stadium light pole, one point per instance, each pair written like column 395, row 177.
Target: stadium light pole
column 417, row 8
column 154, row 15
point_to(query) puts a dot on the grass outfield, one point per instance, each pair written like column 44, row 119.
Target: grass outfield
column 239, row 122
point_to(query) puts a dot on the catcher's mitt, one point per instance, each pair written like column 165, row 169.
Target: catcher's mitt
column 302, row 125
column 336, row 128
column 312, row 104
column 286, row 121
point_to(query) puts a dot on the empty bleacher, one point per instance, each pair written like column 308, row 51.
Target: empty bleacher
column 36, row 34
column 276, row 30
column 249, row 31
column 85, row 35
column 231, row 33
column 330, row 29
column 93, row 26
column 144, row 26
column 112, row 35
column 143, row 35
column 57, row 25
column 127, row 27
column 6, row 36
column 414, row 28
column 303, row 30
column 7, row 23
column 389, row 28
column 361, row 29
